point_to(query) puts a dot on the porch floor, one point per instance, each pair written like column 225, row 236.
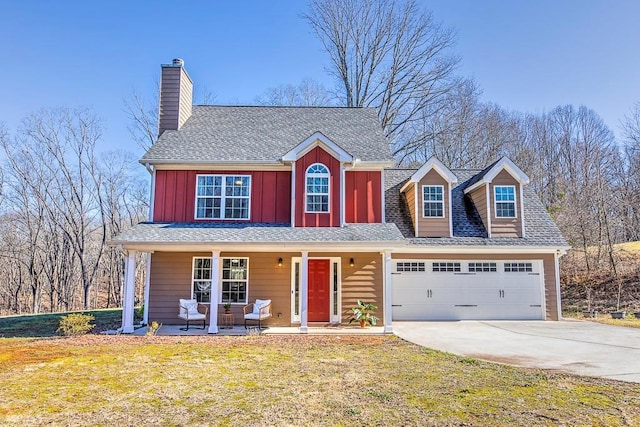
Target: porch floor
column 239, row 330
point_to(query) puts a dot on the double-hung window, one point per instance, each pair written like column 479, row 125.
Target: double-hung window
column 505, row 201
column 235, row 278
column 223, row 196
column 433, row 201
column 201, row 280
column 317, row 188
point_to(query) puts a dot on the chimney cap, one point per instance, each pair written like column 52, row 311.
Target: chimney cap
column 178, row 62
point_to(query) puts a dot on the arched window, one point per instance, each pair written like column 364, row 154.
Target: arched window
column 317, row 181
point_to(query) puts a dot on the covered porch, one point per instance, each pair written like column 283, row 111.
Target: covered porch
column 176, row 330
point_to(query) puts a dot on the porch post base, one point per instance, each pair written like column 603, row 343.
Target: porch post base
column 388, row 329
column 213, row 329
column 127, row 330
column 304, row 329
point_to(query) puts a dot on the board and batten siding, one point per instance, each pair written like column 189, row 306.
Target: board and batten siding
column 331, row 218
column 429, row 226
column 505, row 227
column 363, row 197
column 548, row 260
column 171, row 277
column 175, row 195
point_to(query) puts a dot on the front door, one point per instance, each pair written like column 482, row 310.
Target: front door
column 319, row 297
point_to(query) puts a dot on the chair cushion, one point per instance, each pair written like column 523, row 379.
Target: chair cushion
column 191, row 306
column 258, row 304
column 251, row 316
column 192, row 316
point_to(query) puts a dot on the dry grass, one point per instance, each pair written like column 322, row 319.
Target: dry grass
column 630, row 321
column 287, row 380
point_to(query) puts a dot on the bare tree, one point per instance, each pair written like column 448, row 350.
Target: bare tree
column 387, row 54
column 308, row 93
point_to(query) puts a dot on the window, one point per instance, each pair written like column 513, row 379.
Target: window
column 235, row 275
column 222, row 196
column 446, row 267
column 518, row 267
column 482, row 267
column 201, row 281
column 410, row 266
column 317, row 187
column 432, row 201
column 505, row 198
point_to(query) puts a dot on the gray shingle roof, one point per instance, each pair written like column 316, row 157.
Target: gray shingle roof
column 246, row 134
column 166, row 233
column 468, row 229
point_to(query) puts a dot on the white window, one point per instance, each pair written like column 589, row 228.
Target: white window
column 482, row 267
column 505, row 201
column 317, row 188
column 222, row 196
column 235, row 279
column 452, row 267
column 410, row 266
column 201, row 280
column 518, row 267
column 433, row 201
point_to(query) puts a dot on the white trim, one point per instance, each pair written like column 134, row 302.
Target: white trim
column 221, row 166
column 432, row 163
column 293, row 194
column 450, row 213
column 543, row 290
column 475, row 250
column 152, row 196
column 364, row 165
column 223, row 197
column 295, row 260
column 216, row 264
column 388, row 292
column 503, row 163
column 495, row 202
column 147, row 283
column 556, row 258
column 222, row 279
column 488, row 196
column 304, row 292
column 128, row 298
column 326, row 175
column 342, row 194
column 293, row 246
column 318, row 140
column 524, row 234
column 436, row 201
column 415, row 207
column 383, row 202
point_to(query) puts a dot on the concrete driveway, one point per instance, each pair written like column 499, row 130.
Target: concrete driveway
column 577, row 347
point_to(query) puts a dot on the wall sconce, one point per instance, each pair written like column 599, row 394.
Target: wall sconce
column 351, row 262
column 279, row 262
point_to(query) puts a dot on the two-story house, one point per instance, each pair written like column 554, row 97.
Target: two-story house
column 303, row 206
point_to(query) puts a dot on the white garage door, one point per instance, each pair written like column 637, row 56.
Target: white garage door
column 467, row 290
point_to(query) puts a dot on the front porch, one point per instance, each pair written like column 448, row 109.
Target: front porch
column 239, row 330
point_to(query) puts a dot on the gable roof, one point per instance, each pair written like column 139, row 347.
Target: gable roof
column 468, row 229
column 318, row 140
column 233, row 134
column 432, row 163
column 489, row 173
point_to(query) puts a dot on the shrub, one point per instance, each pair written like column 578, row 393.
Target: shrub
column 75, row 324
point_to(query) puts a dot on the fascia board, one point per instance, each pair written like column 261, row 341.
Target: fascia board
column 313, row 141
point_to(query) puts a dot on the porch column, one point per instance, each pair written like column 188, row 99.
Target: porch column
column 388, row 292
column 147, row 281
column 304, row 292
column 129, row 292
column 215, row 283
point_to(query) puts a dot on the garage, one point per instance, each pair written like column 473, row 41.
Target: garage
column 467, row 290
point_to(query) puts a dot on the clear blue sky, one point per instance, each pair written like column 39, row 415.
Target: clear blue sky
column 526, row 55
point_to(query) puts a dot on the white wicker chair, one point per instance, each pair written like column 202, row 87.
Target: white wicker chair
column 259, row 310
column 189, row 312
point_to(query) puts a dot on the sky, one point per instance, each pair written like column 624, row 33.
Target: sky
column 529, row 56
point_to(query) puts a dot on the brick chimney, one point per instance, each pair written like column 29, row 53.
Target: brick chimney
column 176, row 96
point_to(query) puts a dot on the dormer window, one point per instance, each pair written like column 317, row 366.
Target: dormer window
column 505, row 201
column 433, row 201
column 317, row 188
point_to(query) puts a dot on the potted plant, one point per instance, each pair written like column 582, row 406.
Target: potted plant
column 227, row 307
column 363, row 314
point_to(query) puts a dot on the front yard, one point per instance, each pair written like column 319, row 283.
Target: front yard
column 287, row 380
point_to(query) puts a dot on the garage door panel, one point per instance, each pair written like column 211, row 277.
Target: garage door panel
column 469, row 295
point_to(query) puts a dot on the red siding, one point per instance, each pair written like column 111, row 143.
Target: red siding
column 331, row 219
column 175, row 193
column 363, row 197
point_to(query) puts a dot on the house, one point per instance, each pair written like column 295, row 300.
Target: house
column 303, row 206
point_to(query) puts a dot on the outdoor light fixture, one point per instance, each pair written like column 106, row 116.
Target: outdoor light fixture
column 279, row 262
column 351, row 262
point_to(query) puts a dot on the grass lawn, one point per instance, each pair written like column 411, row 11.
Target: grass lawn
column 287, row 380
column 45, row 325
column 605, row 318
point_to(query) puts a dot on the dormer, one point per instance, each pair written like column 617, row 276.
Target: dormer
column 428, row 196
column 497, row 193
column 317, row 182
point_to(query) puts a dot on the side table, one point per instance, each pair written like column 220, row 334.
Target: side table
column 227, row 321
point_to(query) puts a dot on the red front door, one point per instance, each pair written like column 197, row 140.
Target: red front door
column 319, row 273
